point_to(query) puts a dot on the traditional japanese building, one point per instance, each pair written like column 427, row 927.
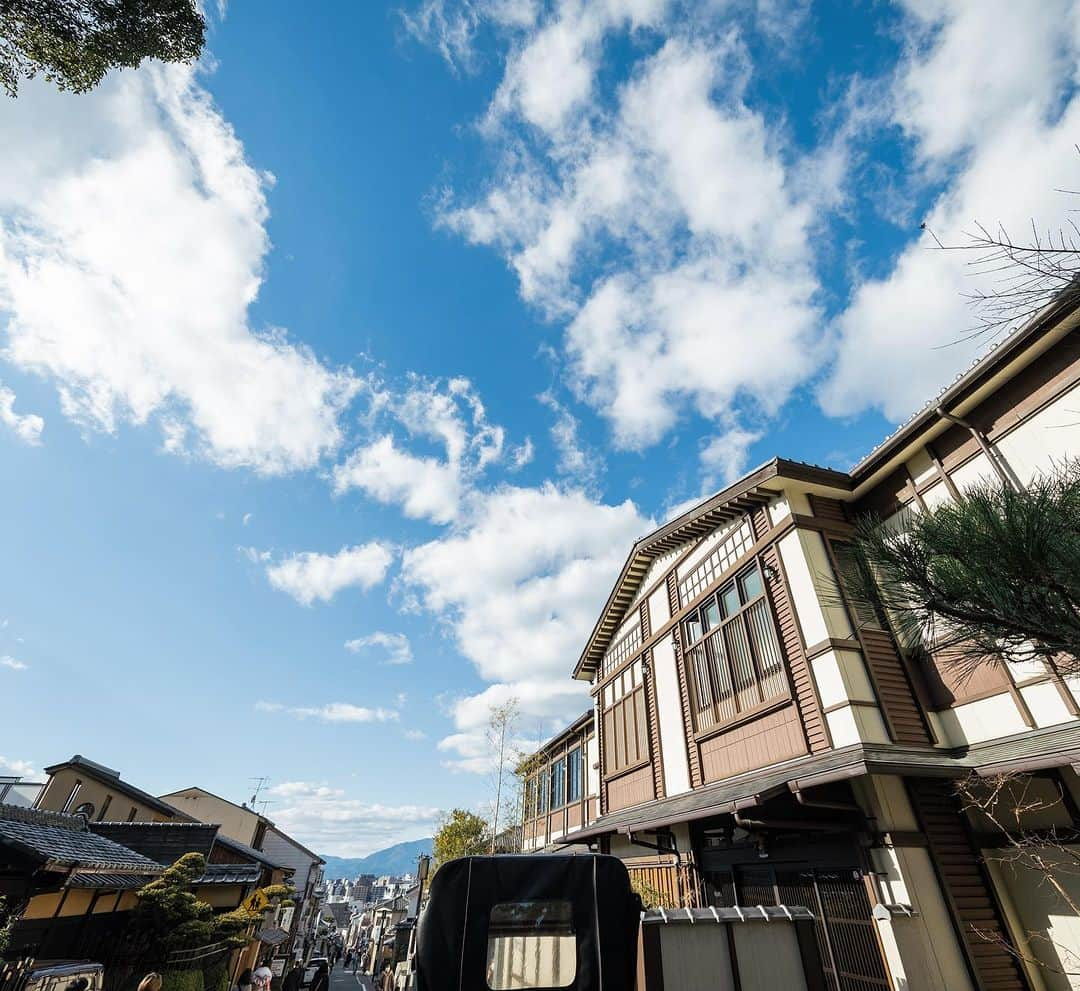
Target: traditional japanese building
column 762, row 740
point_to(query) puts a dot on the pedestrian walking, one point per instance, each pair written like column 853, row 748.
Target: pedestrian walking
column 243, row 982
column 321, row 980
column 294, row 979
column 260, row 980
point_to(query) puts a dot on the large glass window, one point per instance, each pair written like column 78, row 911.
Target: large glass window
column 558, row 784
column 542, row 792
column 531, row 945
column 573, row 775
column 733, row 657
column 626, row 734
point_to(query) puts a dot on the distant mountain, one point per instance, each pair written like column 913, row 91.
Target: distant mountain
column 397, row 859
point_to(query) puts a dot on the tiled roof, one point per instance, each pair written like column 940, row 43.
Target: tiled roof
column 119, row 882
column 63, row 841
column 231, row 874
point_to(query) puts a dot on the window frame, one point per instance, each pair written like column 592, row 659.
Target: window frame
column 701, row 656
column 574, row 769
column 557, row 777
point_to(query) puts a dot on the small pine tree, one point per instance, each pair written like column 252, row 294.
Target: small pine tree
column 994, row 574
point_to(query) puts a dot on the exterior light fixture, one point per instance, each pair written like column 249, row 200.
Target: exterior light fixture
column 769, row 572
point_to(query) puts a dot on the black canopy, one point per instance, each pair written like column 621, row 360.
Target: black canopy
column 586, row 896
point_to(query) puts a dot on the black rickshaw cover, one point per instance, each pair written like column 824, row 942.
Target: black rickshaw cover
column 452, row 940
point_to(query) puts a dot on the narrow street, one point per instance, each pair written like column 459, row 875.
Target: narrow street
column 343, row 980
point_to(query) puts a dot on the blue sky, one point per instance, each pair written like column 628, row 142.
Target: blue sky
column 338, row 374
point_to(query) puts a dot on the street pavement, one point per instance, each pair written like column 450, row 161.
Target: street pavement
column 343, row 980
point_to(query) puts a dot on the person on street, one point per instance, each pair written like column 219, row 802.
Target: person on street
column 294, row 978
column 260, row 980
column 243, row 982
column 321, row 980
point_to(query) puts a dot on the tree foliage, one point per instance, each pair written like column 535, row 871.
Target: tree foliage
column 502, row 726
column 73, row 43
column 994, row 574
column 460, row 834
column 169, row 915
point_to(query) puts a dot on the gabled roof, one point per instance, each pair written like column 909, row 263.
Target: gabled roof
column 164, row 842
column 112, row 778
column 748, row 493
column 209, row 794
column 62, row 842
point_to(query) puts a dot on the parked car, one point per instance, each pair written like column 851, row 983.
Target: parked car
column 309, row 971
column 58, row 976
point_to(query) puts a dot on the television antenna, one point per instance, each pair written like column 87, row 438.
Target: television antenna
column 260, row 783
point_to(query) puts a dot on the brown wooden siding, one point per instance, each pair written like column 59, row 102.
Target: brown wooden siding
column 949, row 685
column 662, row 880
column 967, row 886
column 652, row 707
column 774, row 737
column 894, row 689
column 802, row 683
column 828, row 509
column 634, row 788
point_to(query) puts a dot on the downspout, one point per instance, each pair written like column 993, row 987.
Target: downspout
column 814, row 803
column 984, row 445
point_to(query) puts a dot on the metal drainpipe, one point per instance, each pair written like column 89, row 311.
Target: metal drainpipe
column 812, row 803
column 980, row 439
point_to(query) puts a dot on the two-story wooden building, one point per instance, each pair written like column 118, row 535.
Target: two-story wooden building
column 760, row 734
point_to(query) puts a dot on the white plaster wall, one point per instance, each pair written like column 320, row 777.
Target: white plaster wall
column 921, row 467
column 974, row 722
column 856, row 724
column 1049, row 436
column 1042, row 912
column 1046, row 704
column 659, row 608
column 840, row 675
column 813, row 587
column 669, row 709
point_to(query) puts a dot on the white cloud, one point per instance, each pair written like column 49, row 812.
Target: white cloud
column 574, row 459
column 332, row 712
column 425, row 488
column 519, row 584
column 724, row 456
column 395, row 645
column 1002, row 142
column 19, row 768
column 27, row 426
column 247, row 518
column 312, row 577
column 683, row 193
column 9, row 662
column 327, row 820
column 447, row 413
column 415, row 734
column 132, row 243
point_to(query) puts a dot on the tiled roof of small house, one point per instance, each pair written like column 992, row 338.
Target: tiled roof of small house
column 61, row 842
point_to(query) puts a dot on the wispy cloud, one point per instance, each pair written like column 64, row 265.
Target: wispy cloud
column 395, row 645
column 332, row 712
column 27, row 426
column 7, row 661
